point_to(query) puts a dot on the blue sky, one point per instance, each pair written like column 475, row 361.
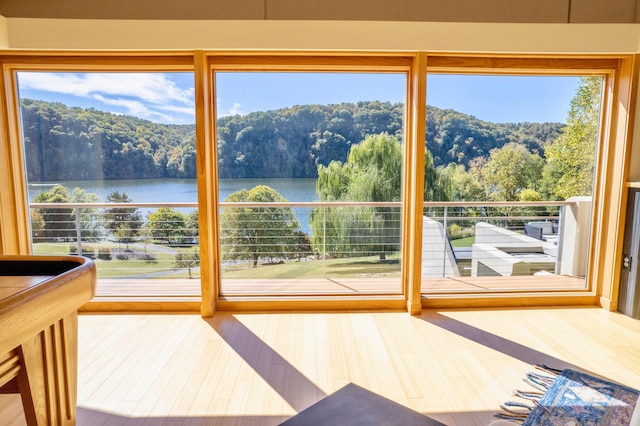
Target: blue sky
column 168, row 97
column 504, row 99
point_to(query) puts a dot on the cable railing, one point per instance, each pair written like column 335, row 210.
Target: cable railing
column 302, row 240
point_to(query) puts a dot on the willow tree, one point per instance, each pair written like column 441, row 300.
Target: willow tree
column 571, row 156
column 372, row 173
column 253, row 232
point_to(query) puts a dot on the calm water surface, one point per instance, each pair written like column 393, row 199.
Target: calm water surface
column 185, row 190
column 182, row 190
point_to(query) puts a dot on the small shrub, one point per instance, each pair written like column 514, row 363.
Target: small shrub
column 455, row 231
column 89, row 251
column 104, row 253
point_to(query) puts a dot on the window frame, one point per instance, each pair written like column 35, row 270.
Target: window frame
column 19, row 240
column 294, row 62
column 610, row 170
column 610, row 184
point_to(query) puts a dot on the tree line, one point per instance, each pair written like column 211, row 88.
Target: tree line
column 123, row 224
column 71, row 143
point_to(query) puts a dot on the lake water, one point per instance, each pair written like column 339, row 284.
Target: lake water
column 182, row 190
column 185, row 190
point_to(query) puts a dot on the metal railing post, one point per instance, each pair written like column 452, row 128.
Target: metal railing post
column 558, row 269
column 78, row 231
column 444, row 244
column 324, row 241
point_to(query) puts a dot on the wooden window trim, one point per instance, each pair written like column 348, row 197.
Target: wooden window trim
column 621, row 72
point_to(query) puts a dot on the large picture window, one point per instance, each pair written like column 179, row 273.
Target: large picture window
column 110, row 164
column 236, row 178
column 309, row 177
column 515, row 158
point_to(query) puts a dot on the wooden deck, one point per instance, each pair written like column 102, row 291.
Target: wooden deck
column 259, row 369
column 332, row 286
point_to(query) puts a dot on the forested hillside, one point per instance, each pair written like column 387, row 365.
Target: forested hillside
column 454, row 137
column 64, row 143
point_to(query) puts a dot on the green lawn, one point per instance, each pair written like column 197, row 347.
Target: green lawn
column 337, row 268
column 162, row 265
column 463, row 242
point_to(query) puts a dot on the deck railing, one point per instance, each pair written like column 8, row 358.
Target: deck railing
column 302, row 240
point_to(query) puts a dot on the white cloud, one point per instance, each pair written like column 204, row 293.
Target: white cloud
column 146, row 95
column 142, row 110
column 236, row 109
column 133, row 107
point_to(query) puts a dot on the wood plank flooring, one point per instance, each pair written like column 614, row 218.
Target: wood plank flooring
column 455, row 366
column 181, row 287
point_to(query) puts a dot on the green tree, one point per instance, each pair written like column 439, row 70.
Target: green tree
column 572, row 154
column 124, row 223
column 192, row 230
column 61, row 223
column 58, row 222
column 372, row 173
column 454, row 137
column 464, row 185
column 510, row 170
column 70, row 143
column 37, row 226
column 302, row 245
column 551, row 175
column 166, row 224
column 255, row 232
column 187, row 259
column 530, row 195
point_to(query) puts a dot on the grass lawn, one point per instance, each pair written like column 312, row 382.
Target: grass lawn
column 124, row 268
column 162, row 265
column 337, row 268
column 463, row 242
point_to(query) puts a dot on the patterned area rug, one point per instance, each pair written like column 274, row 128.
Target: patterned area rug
column 569, row 397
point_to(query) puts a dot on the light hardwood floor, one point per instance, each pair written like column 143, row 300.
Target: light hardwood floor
column 184, row 287
column 260, row 369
